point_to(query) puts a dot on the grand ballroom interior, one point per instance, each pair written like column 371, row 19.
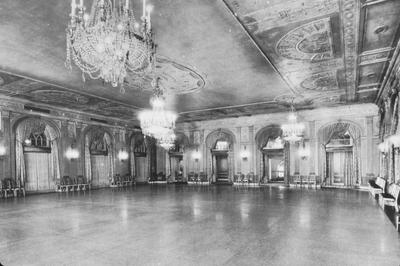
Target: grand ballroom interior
column 199, row 132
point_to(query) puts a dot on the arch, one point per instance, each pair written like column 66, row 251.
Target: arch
column 23, row 128
column 98, row 143
column 177, row 158
column 325, row 134
column 220, row 134
column 55, row 130
column 264, row 157
column 266, row 133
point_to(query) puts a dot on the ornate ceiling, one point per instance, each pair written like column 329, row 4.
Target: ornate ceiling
column 217, row 58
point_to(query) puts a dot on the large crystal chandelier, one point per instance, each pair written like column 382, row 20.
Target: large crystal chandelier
column 292, row 131
column 109, row 41
column 167, row 141
column 158, row 122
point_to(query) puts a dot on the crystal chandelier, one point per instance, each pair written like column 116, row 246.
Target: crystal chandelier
column 158, row 122
column 109, row 41
column 167, row 141
column 292, row 131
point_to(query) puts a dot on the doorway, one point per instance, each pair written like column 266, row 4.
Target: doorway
column 339, row 167
column 274, row 166
column 38, row 172
column 222, row 170
column 176, row 164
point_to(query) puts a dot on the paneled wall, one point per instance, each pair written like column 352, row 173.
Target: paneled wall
column 364, row 117
column 71, row 133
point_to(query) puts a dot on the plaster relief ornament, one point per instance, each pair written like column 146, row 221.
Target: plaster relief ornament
column 311, row 42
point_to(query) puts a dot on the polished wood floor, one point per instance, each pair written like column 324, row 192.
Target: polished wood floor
column 183, row 225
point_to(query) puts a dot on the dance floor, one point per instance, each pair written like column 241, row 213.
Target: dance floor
column 187, row 225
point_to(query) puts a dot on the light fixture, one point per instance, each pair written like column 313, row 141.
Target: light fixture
column 108, row 42
column 158, row 122
column 292, row 131
column 196, row 155
column 123, row 155
column 72, row 153
column 167, row 140
column 27, row 142
column 3, row 150
column 244, row 154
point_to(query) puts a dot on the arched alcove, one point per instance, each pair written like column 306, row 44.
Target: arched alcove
column 36, row 153
column 177, row 158
column 220, row 155
column 340, row 157
column 98, row 155
column 272, row 155
column 139, row 157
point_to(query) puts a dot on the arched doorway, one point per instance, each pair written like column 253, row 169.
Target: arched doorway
column 139, row 158
column 272, row 155
column 340, row 161
column 177, row 160
column 99, row 156
column 36, row 151
column 220, row 155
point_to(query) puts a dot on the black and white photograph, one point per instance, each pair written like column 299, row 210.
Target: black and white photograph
column 200, row 132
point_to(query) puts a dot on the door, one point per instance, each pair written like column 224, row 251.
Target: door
column 340, row 165
column 140, row 163
column 37, row 166
column 222, row 167
column 274, row 166
column 100, row 170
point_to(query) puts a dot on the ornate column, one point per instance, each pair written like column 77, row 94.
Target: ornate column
column 313, row 148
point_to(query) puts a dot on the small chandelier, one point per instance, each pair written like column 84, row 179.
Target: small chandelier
column 292, row 131
column 158, row 122
column 109, row 41
column 167, row 141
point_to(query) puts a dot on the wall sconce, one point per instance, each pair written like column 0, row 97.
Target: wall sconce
column 196, row 155
column 244, row 154
column 304, row 152
column 3, row 151
column 123, row 155
column 72, row 153
column 27, row 142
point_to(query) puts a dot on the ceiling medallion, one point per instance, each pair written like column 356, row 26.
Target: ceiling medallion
column 292, row 131
column 158, row 122
column 108, row 42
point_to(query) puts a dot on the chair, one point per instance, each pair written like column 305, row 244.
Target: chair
column 391, row 198
column 243, row 179
column 8, row 187
column 312, row 180
column 377, row 186
column 203, row 177
column 191, row 177
column 296, row 179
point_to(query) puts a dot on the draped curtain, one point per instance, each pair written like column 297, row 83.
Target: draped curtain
column 348, row 168
column 88, row 163
column 23, row 131
column 326, row 134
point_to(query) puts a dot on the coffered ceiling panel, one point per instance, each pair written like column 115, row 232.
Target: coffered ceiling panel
column 216, row 58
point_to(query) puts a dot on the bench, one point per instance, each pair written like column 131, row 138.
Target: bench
column 122, row 181
column 67, row 184
column 391, row 197
column 11, row 187
column 377, row 186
